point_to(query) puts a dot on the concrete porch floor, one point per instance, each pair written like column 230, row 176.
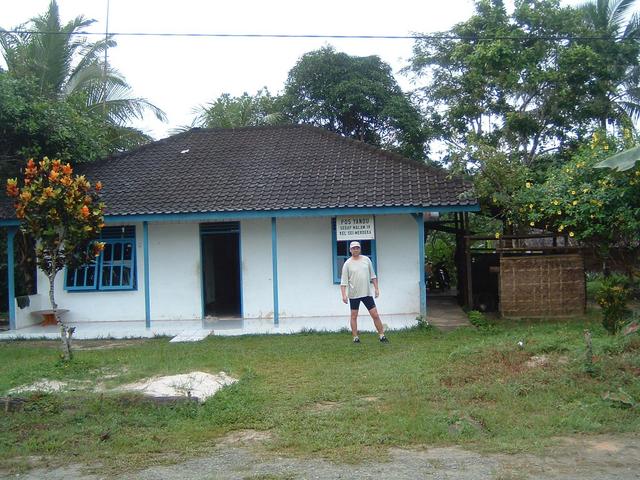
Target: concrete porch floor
column 186, row 328
column 442, row 312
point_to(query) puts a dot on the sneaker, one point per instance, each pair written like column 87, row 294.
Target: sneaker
column 384, row 339
column 356, row 339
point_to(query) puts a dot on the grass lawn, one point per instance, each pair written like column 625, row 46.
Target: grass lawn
column 317, row 394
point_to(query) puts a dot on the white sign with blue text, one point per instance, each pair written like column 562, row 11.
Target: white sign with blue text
column 357, row 227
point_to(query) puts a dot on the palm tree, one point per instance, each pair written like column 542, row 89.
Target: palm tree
column 613, row 20
column 65, row 64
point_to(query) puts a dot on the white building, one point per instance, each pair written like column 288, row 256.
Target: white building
column 243, row 223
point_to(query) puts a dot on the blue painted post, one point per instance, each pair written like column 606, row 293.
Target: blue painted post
column 11, row 285
column 145, row 248
column 274, row 259
column 423, row 285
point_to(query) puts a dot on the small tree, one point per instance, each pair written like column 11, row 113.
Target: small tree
column 63, row 213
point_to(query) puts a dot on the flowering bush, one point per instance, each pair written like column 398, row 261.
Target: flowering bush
column 612, row 298
column 598, row 207
column 63, row 213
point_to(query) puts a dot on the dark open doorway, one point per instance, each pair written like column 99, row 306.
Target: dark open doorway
column 221, row 269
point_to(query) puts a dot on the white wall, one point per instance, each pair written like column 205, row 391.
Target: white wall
column 174, row 271
column 305, row 267
column 398, row 264
column 305, row 273
column 257, row 271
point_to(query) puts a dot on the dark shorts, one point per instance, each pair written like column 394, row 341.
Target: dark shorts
column 368, row 302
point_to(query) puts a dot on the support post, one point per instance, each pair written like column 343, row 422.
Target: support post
column 467, row 258
column 11, row 284
column 147, row 301
column 274, row 260
column 419, row 218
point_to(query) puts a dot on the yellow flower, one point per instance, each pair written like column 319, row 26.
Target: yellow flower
column 531, row 206
column 497, row 234
column 573, row 192
column 533, row 224
column 559, row 212
column 575, row 202
column 556, row 202
column 561, row 228
column 528, row 184
column 571, row 234
column 606, row 147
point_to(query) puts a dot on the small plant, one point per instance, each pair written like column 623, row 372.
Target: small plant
column 423, row 323
column 612, row 298
column 478, row 319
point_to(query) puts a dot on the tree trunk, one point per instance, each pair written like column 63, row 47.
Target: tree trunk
column 65, row 332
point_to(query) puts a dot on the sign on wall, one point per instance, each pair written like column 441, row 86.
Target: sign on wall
column 357, row 227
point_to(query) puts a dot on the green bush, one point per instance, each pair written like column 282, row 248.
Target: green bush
column 612, row 298
column 478, row 319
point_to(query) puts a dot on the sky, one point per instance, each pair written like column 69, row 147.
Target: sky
column 179, row 74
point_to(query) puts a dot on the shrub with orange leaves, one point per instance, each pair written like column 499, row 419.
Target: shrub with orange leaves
column 63, row 213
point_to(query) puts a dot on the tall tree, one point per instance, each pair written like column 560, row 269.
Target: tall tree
column 357, row 97
column 526, row 87
column 64, row 64
column 616, row 93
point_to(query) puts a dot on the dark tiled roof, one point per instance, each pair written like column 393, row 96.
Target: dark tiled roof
column 266, row 168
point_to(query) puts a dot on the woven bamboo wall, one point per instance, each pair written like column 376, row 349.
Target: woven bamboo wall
column 542, row 285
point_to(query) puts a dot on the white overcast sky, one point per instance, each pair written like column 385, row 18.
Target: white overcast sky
column 178, row 74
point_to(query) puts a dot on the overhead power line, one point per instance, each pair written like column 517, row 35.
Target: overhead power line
column 321, row 36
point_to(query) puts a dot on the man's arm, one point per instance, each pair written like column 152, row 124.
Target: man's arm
column 375, row 286
column 343, row 289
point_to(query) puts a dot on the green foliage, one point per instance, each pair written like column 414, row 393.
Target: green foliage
column 506, row 97
column 35, row 126
column 612, row 298
column 356, row 97
column 598, row 207
column 440, row 248
column 64, row 64
column 243, row 111
column 478, row 319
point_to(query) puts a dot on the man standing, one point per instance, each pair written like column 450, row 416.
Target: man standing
column 357, row 276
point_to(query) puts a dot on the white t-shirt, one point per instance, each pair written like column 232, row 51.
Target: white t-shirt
column 357, row 276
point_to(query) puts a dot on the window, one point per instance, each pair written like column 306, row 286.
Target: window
column 114, row 269
column 341, row 252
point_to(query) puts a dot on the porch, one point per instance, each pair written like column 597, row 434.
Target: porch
column 201, row 328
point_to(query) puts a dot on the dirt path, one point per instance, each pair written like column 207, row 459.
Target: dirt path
column 589, row 458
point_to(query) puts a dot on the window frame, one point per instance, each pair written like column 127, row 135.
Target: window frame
column 337, row 272
column 98, row 265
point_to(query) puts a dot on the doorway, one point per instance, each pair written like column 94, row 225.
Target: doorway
column 221, row 269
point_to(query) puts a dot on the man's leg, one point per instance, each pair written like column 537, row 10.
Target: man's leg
column 354, row 323
column 376, row 320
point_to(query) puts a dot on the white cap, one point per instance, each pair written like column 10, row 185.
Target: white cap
column 354, row 244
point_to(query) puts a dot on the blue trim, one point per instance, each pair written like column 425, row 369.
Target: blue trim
column 298, row 212
column 315, row 212
column 274, row 260
column 121, row 262
column 147, row 293
column 240, row 266
column 423, row 284
column 11, row 285
column 9, row 223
